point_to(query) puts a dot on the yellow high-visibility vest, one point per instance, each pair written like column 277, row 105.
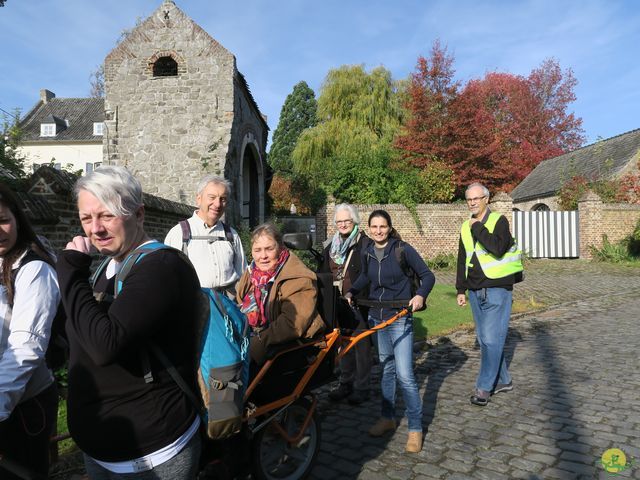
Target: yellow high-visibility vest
column 492, row 266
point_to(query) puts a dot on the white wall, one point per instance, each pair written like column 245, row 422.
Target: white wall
column 73, row 156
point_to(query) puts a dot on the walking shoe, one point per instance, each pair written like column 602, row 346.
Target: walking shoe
column 343, row 391
column 414, row 442
column 358, row 396
column 502, row 387
column 480, row 398
column 382, row 426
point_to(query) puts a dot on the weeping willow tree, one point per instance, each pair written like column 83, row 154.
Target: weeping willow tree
column 359, row 114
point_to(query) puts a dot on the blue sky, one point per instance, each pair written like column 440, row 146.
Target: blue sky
column 56, row 44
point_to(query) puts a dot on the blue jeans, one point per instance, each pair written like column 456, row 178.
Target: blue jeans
column 491, row 309
column 395, row 350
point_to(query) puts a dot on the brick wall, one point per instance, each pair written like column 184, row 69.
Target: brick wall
column 615, row 220
column 51, row 207
column 438, row 225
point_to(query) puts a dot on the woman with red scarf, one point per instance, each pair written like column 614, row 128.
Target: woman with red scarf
column 277, row 293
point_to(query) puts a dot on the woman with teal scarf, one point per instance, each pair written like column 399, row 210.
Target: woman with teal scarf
column 342, row 258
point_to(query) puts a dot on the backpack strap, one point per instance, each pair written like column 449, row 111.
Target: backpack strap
column 186, row 234
column 240, row 339
column 227, row 233
column 102, row 296
column 175, row 375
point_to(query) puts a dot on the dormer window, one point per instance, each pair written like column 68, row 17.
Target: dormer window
column 47, row 129
column 165, row 67
column 98, row 128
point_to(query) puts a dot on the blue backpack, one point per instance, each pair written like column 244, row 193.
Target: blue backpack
column 223, row 367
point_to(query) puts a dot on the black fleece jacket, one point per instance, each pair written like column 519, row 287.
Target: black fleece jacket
column 113, row 415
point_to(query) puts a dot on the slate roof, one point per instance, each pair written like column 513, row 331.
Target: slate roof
column 605, row 158
column 74, row 118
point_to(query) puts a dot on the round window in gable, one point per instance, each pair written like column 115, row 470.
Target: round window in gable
column 165, row 67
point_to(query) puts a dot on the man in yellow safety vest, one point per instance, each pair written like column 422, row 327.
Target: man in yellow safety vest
column 489, row 263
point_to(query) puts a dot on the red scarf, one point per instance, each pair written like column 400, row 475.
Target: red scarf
column 254, row 302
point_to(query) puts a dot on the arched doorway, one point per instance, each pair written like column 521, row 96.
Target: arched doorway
column 540, row 207
column 252, row 195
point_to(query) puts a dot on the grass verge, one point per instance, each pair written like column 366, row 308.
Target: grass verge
column 443, row 314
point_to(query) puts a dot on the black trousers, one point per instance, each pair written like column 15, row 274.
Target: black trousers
column 25, row 435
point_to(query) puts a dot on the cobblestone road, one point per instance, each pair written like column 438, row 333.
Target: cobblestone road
column 577, row 393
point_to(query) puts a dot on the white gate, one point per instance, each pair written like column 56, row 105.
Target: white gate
column 547, row 234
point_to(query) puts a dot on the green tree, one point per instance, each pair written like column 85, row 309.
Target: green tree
column 349, row 149
column 10, row 157
column 298, row 113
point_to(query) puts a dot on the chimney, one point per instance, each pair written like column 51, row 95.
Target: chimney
column 46, row 95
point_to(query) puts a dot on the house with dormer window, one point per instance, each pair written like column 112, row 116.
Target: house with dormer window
column 64, row 133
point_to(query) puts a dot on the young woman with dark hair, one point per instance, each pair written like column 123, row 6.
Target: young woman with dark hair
column 29, row 299
column 390, row 289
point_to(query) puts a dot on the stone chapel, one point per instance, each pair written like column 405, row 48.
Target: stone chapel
column 177, row 108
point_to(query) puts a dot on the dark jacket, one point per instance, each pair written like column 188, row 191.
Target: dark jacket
column 354, row 267
column 114, row 415
column 496, row 243
column 386, row 279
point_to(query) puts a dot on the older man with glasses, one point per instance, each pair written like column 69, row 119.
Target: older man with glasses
column 489, row 263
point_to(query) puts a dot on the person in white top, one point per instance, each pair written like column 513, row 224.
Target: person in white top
column 29, row 299
column 213, row 247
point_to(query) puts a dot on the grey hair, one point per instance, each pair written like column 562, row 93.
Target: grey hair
column 215, row 179
column 270, row 230
column 355, row 216
column 485, row 190
column 115, row 187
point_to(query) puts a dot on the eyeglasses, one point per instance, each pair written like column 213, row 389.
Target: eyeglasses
column 475, row 199
column 343, row 222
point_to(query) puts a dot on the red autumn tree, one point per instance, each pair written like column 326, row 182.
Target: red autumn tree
column 506, row 124
column 494, row 130
column 426, row 134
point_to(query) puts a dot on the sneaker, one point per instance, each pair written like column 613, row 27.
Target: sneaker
column 480, row 398
column 502, row 387
column 382, row 426
column 358, row 396
column 343, row 391
column 414, row 442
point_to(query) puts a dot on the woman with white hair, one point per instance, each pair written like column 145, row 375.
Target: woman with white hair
column 127, row 415
column 342, row 257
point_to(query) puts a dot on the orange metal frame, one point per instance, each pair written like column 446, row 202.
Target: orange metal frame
column 333, row 338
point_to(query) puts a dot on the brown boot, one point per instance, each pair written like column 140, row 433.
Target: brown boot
column 414, row 442
column 382, row 426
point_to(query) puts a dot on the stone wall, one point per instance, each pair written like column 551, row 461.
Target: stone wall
column 437, row 228
column 171, row 130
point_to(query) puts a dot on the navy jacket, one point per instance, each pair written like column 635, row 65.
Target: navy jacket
column 387, row 281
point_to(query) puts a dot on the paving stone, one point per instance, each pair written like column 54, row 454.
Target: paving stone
column 578, row 468
column 565, row 411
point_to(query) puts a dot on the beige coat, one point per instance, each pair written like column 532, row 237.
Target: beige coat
column 291, row 307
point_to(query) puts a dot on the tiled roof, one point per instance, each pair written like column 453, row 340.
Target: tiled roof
column 605, row 158
column 74, row 118
column 6, row 174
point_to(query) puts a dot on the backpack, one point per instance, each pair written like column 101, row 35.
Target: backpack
column 57, row 352
column 187, row 237
column 406, row 268
column 223, row 357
